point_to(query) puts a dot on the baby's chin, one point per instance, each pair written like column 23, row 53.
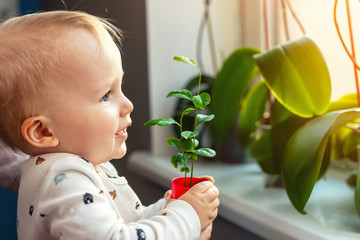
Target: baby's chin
column 121, row 152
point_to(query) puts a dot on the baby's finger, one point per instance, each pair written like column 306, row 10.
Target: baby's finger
column 215, row 203
column 208, row 178
column 201, row 187
column 167, row 195
column 211, row 194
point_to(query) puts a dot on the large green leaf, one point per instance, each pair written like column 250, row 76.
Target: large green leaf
column 262, row 151
column 251, row 112
column 345, row 102
column 303, row 155
column 297, row 75
column 268, row 149
column 229, row 87
column 357, row 190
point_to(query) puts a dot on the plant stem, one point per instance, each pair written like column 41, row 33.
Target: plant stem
column 353, row 50
column 180, row 127
column 295, row 17
column 198, row 93
column 286, row 28
column 192, row 167
column 185, row 175
column 266, row 25
column 211, row 38
column 341, row 39
column 195, row 125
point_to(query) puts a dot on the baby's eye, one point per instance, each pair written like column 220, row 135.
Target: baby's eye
column 105, row 98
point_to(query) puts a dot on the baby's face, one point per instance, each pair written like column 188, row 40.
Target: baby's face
column 90, row 115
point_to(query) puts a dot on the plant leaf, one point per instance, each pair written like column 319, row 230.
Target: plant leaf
column 186, row 94
column 174, row 142
column 185, row 169
column 252, row 112
column 185, row 60
column 201, row 118
column 357, row 189
column 161, row 122
column 297, row 75
column 229, row 87
column 303, row 155
column 193, row 156
column 187, row 111
column 262, row 151
column 269, row 148
column 189, row 134
column 205, row 152
column 178, row 159
column 187, row 145
column 202, row 100
column 196, row 143
column 345, row 102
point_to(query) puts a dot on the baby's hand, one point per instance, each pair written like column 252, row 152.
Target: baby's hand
column 206, row 234
column 203, row 197
column 168, row 197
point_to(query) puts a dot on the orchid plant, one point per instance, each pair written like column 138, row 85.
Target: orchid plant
column 187, row 143
column 302, row 130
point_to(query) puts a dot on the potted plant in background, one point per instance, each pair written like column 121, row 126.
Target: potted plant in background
column 187, row 142
column 286, row 119
column 300, row 118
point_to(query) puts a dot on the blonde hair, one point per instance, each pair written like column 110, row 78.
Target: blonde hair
column 30, row 55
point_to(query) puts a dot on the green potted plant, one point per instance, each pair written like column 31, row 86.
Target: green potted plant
column 305, row 154
column 187, row 142
column 300, row 122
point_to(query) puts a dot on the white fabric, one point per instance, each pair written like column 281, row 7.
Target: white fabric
column 63, row 196
column 10, row 169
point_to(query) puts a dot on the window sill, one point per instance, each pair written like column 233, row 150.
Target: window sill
column 267, row 211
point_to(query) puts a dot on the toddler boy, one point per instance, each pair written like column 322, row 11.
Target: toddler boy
column 61, row 102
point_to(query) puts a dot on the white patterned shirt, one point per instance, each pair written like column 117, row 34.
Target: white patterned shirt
column 63, row 196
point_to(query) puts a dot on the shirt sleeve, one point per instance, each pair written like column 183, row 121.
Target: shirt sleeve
column 151, row 210
column 177, row 221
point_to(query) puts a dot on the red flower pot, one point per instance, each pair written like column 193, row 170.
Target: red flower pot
column 178, row 187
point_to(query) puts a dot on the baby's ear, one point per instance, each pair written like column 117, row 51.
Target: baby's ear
column 37, row 132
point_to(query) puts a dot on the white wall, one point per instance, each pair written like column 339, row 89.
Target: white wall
column 172, row 28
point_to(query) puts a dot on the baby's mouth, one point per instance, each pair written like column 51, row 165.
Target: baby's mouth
column 122, row 132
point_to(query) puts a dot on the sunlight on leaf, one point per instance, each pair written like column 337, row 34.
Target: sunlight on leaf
column 185, row 60
column 345, row 102
column 297, row 75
